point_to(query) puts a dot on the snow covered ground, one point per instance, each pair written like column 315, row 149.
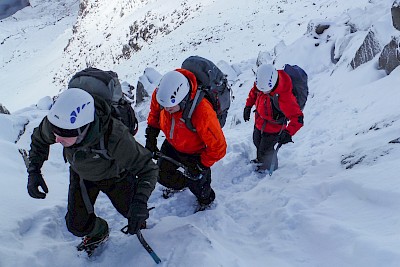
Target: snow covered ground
column 334, row 201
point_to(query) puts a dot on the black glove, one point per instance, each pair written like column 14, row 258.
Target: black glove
column 246, row 113
column 285, row 138
column 151, row 138
column 35, row 179
column 197, row 170
column 138, row 213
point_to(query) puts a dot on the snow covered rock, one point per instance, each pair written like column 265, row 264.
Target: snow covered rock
column 369, row 48
column 45, row 103
column 146, row 84
column 3, row 110
column 396, row 14
column 125, row 28
column 141, row 93
column 390, row 56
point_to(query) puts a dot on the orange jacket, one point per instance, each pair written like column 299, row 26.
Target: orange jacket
column 208, row 141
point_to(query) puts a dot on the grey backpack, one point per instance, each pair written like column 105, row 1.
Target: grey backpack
column 106, row 85
column 212, row 84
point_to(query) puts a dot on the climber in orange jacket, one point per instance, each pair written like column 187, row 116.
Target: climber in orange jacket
column 198, row 150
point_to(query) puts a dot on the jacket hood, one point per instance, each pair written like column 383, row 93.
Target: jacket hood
column 192, row 79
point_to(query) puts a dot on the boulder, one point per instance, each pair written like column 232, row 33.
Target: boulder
column 369, row 48
column 389, row 59
column 396, row 14
column 141, row 93
column 320, row 28
column 3, row 110
column 317, row 27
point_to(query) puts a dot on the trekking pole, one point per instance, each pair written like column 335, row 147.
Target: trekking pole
column 182, row 168
column 144, row 244
column 274, row 158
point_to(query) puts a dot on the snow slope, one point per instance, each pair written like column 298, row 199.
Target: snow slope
column 334, row 200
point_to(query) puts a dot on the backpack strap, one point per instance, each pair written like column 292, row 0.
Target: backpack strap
column 189, row 109
column 85, row 196
column 102, row 151
column 275, row 104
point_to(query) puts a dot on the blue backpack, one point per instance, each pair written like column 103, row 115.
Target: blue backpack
column 300, row 83
column 300, row 86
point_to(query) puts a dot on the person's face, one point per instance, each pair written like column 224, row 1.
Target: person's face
column 173, row 109
column 66, row 141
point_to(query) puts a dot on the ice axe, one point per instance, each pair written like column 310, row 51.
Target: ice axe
column 182, row 168
column 144, row 244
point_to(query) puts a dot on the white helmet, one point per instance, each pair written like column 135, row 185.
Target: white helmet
column 266, row 77
column 73, row 109
column 172, row 89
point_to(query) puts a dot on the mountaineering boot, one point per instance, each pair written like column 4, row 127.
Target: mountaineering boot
column 255, row 161
column 169, row 192
column 97, row 236
column 204, row 204
column 261, row 169
column 209, row 200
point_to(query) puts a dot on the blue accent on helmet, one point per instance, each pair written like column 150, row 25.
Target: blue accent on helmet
column 73, row 115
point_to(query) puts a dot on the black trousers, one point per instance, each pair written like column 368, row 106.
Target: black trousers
column 79, row 221
column 172, row 178
column 265, row 143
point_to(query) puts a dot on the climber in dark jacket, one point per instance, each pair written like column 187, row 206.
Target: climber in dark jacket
column 103, row 156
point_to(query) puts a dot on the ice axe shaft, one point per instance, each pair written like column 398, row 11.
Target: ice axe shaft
column 184, row 169
column 274, row 158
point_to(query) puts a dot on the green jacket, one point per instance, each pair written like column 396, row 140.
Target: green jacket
column 125, row 154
